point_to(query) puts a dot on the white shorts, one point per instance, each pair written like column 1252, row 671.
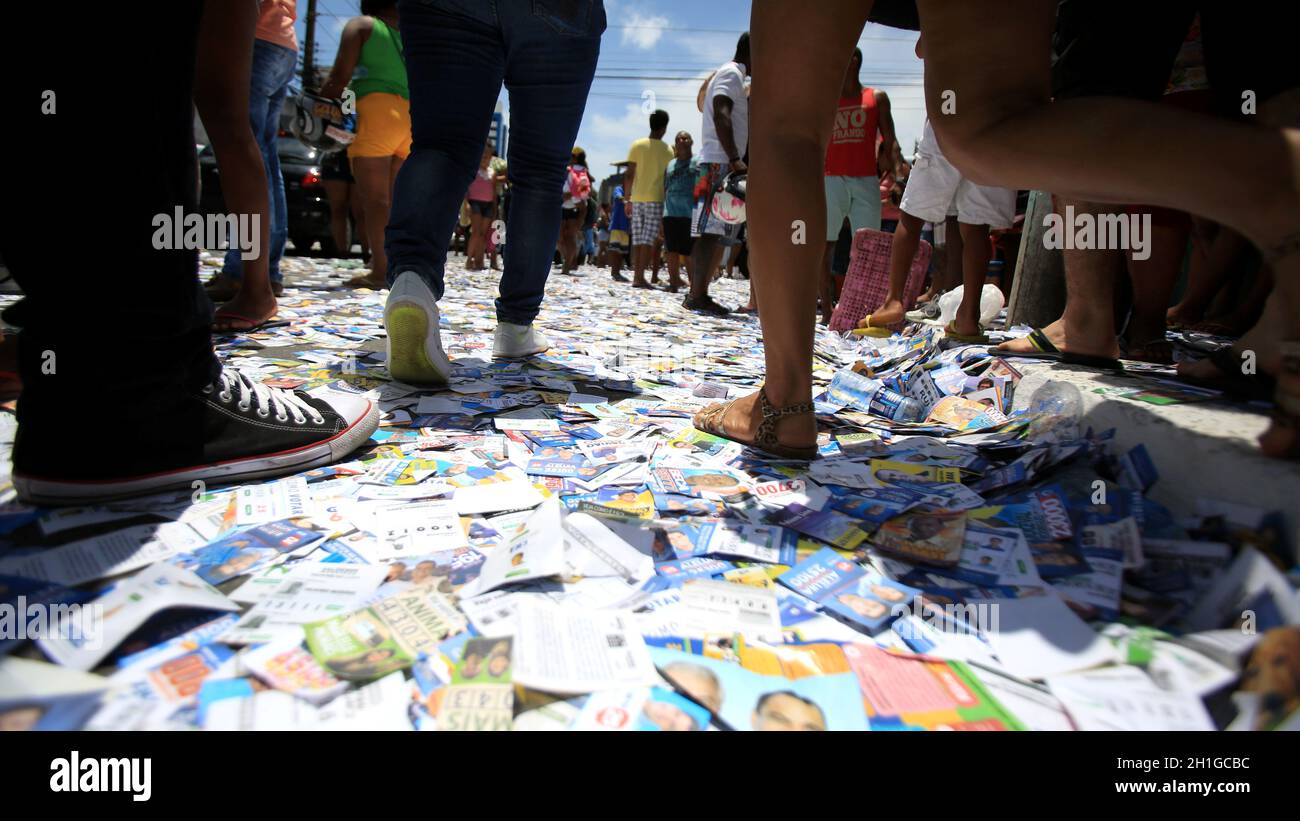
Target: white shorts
column 936, row 189
column 857, row 198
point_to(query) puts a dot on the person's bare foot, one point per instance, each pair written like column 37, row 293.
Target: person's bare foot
column 1180, row 316
column 744, row 415
column 890, row 313
column 924, row 298
column 377, row 283
column 1260, row 346
column 963, row 325
column 246, row 311
column 1066, row 338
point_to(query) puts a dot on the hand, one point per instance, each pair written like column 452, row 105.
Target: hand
column 738, row 166
column 627, row 208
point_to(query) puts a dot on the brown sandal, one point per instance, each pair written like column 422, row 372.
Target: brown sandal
column 709, row 421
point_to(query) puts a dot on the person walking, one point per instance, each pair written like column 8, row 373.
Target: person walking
column 725, row 141
column 251, row 180
column 852, row 169
column 458, row 59
column 371, row 61
column 647, row 160
column 680, row 178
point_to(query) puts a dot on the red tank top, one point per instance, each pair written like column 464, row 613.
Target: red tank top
column 852, row 149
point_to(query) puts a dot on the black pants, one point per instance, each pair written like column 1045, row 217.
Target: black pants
column 115, row 338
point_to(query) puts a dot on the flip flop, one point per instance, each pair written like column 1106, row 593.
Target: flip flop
column 709, row 421
column 254, row 325
column 950, row 333
column 1045, row 350
column 874, row 331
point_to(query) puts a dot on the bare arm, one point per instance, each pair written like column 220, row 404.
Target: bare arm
column 629, row 178
column 889, row 145
column 355, row 34
column 722, row 108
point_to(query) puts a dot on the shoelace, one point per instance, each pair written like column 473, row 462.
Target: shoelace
column 285, row 403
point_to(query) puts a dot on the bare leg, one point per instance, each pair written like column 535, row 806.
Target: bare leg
column 222, row 78
column 1153, row 281
column 1005, row 132
column 1088, row 324
column 337, row 192
column 358, row 221
column 907, row 238
column 374, row 189
column 703, row 257
column 640, row 260
column 790, row 126
column 1204, row 281
column 974, row 267
column 826, row 285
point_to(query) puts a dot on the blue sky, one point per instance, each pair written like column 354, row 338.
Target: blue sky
column 666, row 47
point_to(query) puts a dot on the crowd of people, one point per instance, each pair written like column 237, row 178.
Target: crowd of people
column 820, row 147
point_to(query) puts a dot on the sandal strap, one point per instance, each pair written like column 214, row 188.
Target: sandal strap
column 772, row 412
column 765, row 436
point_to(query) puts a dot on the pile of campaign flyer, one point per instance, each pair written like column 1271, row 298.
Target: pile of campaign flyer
column 550, row 544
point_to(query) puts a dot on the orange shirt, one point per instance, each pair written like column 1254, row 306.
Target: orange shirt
column 275, row 25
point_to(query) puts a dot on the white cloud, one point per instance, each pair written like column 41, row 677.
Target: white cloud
column 642, row 30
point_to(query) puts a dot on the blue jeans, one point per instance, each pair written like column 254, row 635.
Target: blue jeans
column 273, row 68
column 458, row 52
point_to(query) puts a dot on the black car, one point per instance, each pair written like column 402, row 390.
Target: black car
column 307, row 205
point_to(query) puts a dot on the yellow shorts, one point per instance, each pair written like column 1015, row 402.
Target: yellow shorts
column 383, row 126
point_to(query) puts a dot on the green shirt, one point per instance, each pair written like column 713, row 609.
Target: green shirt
column 382, row 67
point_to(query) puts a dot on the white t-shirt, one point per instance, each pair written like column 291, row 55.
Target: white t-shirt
column 728, row 82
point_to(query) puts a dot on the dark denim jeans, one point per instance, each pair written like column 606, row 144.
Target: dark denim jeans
column 458, row 52
column 273, row 67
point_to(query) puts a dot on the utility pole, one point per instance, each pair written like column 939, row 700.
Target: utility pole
column 309, row 50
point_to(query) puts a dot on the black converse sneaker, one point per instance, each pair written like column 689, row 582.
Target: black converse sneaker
column 234, row 431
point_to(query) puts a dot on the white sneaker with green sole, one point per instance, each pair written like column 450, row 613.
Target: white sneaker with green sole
column 415, row 354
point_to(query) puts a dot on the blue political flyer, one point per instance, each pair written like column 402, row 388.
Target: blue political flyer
column 687, row 505
column 715, row 482
column 750, row 701
column 843, row 588
column 682, row 539
column 695, row 567
column 878, row 505
column 246, row 550
column 829, row 526
column 565, row 463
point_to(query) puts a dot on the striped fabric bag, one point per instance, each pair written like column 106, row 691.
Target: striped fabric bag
column 867, row 282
